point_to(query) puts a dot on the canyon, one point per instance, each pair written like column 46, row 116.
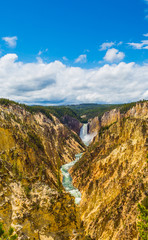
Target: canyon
column 110, row 175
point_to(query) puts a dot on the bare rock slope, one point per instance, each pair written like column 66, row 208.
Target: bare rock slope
column 113, row 176
column 32, row 150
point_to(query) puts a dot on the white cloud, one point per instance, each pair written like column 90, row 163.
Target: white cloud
column 39, row 59
column 142, row 45
column 81, row 59
column 146, row 10
column 65, row 58
column 113, row 55
column 145, row 35
column 120, row 43
column 11, row 41
column 106, row 45
column 136, row 45
column 42, row 51
column 54, row 82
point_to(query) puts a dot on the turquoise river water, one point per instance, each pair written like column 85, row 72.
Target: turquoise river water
column 67, row 180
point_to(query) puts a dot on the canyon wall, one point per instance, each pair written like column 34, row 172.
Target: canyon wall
column 112, row 176
column 115, row 115
column 106, row 119
column 72, row 123
column 32, row 150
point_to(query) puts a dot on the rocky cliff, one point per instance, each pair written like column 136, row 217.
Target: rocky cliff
column 106, row 119
column 94, row 125
column 139, row 111
column 32, row 150
column 113, row 175
column 72, row 123
column 110, row 117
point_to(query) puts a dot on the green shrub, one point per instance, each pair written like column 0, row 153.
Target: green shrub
column 7, row 102
column 15, row 169
column 27, row 190
column 143, row 219
column 7, row 236
column 35, row 140
column 88, row 237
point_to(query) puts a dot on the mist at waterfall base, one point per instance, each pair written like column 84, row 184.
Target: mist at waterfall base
column 85, row 136
column 67, row 180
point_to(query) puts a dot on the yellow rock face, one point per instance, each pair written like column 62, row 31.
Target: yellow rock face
column 113, row 176
column 32, row 199
column 110, row 117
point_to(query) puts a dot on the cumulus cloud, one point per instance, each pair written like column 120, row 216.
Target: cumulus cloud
column 142, row 45
column 145, row 35
column 113, row 55
column 106, row 45
column 56, row 83
column 81, row 59
column 10, row 41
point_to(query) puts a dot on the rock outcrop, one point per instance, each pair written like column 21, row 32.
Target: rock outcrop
column 110, row 117
column 139, row 111
column 72, row 123
column 106, row 119
column 94, row 125
column 32, row 150
column 112, row 176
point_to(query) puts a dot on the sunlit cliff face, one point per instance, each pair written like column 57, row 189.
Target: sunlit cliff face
column 32, row 150
column 112, row 176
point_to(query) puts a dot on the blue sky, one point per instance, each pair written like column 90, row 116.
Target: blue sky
column 83, row 37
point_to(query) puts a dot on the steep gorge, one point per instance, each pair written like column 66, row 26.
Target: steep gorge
column 111, row 175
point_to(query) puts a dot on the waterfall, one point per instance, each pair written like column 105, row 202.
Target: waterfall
column 83, row 131
column 85, row 136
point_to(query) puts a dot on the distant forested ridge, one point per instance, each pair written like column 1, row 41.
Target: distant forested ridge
column 81, row 112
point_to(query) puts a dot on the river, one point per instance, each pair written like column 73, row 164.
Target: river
column 67, row 180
